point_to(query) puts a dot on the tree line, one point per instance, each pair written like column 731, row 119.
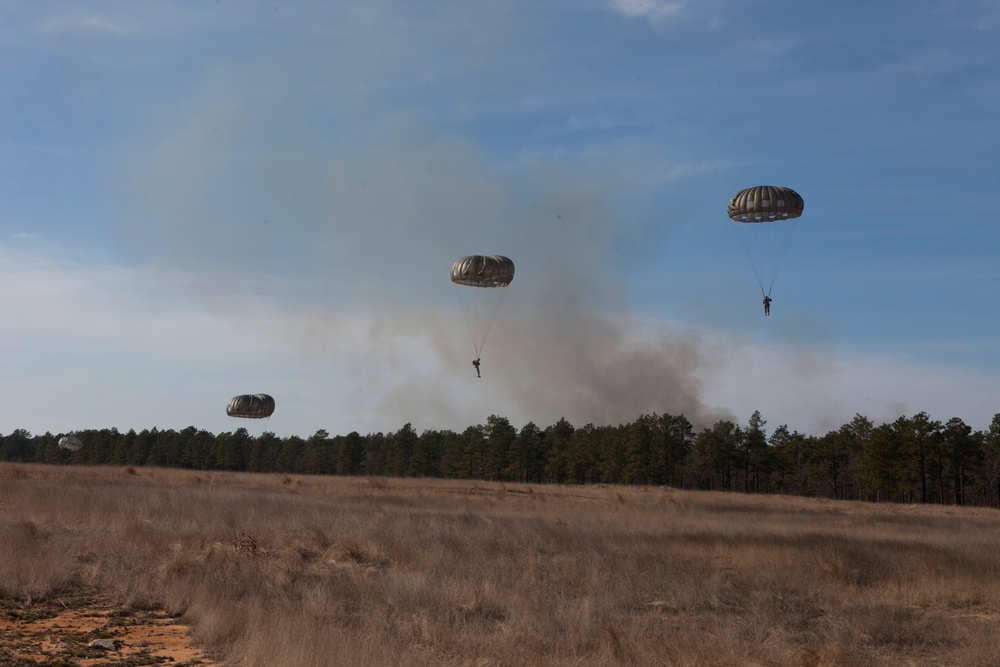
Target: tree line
column 913, row 459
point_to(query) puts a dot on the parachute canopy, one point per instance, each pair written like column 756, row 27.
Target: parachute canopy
column 250, row 406
column 480, row 306
column 483, row 271
column 765, row 216
column 764, row 203
column 70, row 442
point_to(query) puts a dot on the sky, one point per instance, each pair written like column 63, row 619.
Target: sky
column 205, row 199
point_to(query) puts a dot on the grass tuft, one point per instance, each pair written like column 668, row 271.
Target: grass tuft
column 282, row 570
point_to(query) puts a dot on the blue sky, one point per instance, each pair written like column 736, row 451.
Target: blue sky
column 207, row 199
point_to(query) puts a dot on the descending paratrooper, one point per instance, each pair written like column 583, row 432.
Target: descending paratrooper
column 489, row 276
column 765, row 217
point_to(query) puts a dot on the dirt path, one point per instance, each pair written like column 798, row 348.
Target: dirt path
column 60, row 632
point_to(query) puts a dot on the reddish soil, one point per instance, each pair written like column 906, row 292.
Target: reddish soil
column 58, row 633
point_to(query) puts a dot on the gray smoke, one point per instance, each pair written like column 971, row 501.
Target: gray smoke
column 276, row 219
column 564, row 343
column 539, row 365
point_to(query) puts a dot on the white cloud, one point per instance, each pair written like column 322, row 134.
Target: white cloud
column 81, row 22
column 654, row 10
column 816, row 389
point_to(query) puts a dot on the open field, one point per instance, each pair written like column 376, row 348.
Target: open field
column 272, row 570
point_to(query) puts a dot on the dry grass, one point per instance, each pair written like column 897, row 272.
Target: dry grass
column 279, row 570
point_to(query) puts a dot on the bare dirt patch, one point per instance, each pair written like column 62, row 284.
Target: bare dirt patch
column 60, row 633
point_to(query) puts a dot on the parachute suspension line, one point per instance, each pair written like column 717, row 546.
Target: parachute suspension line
column 780, row 236
column 479, row 308
column 469, row 324
column 495, row 308
column 753, row 250
column 765, row 244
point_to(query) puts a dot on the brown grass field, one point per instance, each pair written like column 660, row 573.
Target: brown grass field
column 273, row 570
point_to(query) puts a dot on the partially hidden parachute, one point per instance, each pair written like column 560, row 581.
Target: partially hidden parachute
column 70, row 442
column 487, row 278
column 250, row 406
column 765, row 216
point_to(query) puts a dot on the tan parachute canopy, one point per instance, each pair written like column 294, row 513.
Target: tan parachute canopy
column 766, row 216
column 70, row 442
column 764, row 203
column 483, row 271
column 250, row 406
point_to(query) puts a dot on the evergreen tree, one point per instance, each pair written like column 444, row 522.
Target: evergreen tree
column 290, row 456
column 400, row 450
column 885, row 461
column 584, row 463
column 231, row 450
column 527, row 460
column 123, row 448
column 713, row 454
column 374, row 461
column 557, row 439
column 631, row 453
column 991, row 459
column 671, row 445
column 48, row 450
column 963, row 452
column 455, row 455
column 500, row 439
column 264, row 451
column 350, row 454
column 17, row 447
column 924, row 437
column 318, row 457
column 753, row 451
column 427, row 452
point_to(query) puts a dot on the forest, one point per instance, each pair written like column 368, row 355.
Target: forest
column 910, row 460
